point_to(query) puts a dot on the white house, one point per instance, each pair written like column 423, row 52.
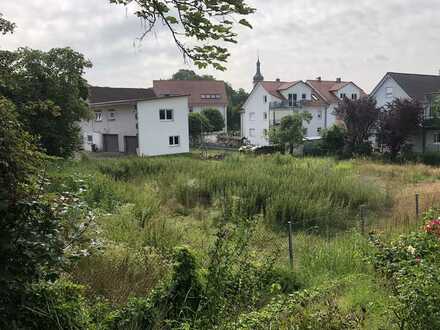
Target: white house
column 116, row 127
column 203, row 94
column 418, row 87
column 269, row 101
column 163, row 126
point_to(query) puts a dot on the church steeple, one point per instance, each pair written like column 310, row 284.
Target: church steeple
column 258, row 76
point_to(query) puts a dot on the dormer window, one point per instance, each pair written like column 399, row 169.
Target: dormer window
column 343, row 96
column 304, row 96
column 111, row 115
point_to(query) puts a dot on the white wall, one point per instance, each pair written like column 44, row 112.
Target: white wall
column 380, row 93
column 256, row 104
column 348, row 90
column 154, row 134
column 299, row 89
column 124, row 124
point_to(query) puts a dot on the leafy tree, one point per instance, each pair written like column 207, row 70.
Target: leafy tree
column 198, row 124
column 215, row 119
column 198, row 27
column 398, row 121
column 6, row 26
column 49, row 92
column 360, row 117
column 333, row 140
column 236, row 99
column 184, row 74
column 30, row 244
column 291, row 130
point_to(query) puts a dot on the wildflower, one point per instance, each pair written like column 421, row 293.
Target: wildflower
column 411, row 249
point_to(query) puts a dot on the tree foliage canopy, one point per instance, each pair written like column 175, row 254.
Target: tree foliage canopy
column 398, row 121
column 198, row 123
column 49, row 92
column 291, row 130
column 215, row 119
column 360, row 117
column 185, row 74
column 6, row 26
column 198, row 27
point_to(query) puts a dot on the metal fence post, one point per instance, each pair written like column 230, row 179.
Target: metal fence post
column 290, row 245
column 417, row 205
column 362, row 218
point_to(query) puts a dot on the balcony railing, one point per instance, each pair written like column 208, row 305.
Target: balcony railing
column 285, row 104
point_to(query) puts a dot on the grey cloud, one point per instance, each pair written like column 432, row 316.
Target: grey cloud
column 298, row 39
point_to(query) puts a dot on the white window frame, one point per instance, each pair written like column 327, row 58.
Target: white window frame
column 89, row 139
column 173, row 139
column 389, row 92
column 251, row 116
column 166, row 112
column 342, row 96
column 111, row 115
column 436, row 138
column 98, row 116
column 251, row 132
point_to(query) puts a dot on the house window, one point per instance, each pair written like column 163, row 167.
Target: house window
column 436, row 138
column 304, row 96
column 320, row 114
column 98, row 116
column 292, row 99
column 111, row 115
column 173, row 141
column 389, row 92
column 251, row 132
column 166, row 114
column 265, row 132
column 318, row 129
column 354, row 96
column 265, row 115
column 265, row 98
column 89, row 139
column 343, row 95
column 252, row 116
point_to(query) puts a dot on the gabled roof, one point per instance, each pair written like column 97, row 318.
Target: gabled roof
column 274, row 87
column 417, row 86
column 327, row 88
column 197, row 89
column 111, row 94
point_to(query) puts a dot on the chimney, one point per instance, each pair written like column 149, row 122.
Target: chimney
column 338, row 80
column 278, row 80
column 318, row 78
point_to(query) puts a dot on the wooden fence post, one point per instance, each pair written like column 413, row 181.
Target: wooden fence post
column 290, row 245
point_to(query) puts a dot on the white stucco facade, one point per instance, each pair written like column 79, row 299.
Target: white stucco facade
column 258, row 115
column 387, row 91
column 122, row 123
column 155, row 134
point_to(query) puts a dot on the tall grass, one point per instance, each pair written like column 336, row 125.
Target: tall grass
column 282, row 188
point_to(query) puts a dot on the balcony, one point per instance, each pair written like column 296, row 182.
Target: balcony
column 283, row 105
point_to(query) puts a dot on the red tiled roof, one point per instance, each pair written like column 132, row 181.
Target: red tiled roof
column 326, row 88
column 194, row 88
column 274, row 87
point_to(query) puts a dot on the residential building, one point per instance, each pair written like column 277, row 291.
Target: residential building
column 418, row 87
column 203, row 94
column 120, row 122
column 270, row 101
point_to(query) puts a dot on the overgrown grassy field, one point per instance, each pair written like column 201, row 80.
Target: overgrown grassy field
column 145, row 208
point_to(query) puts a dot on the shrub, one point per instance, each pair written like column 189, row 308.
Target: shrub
column 430, row 158
column 313, row 148
column 57, row 305
column 215, row 119
column 333, row 140
column 411, row 264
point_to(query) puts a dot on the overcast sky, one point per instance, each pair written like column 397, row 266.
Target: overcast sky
column 297, row 39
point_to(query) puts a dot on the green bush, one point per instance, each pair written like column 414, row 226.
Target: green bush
column 333, row 140
column 313, row 148
column 215, row 119
column 430, row 158
column 411, row 264
column 57, row 305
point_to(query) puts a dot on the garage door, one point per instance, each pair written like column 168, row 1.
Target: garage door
column 131, row 144
column 111, row 143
